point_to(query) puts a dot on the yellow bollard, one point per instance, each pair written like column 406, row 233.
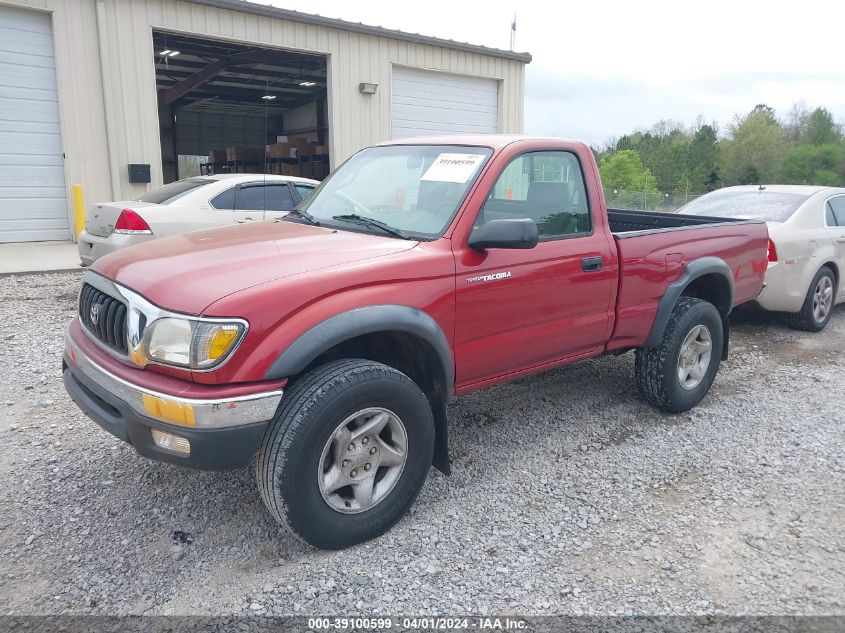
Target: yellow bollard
column 78, row 211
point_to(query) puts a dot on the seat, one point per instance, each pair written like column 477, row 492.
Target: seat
column 545, row 198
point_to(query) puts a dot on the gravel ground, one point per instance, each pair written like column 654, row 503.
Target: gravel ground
column 569, row 495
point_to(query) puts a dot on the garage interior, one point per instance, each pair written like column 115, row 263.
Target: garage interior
column 234, row 108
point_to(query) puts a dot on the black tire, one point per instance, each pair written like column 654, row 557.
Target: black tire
column 286, row 464
column 656, row 368
column 805, row 319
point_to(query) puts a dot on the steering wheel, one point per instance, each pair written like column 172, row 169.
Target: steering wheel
column 357, row 205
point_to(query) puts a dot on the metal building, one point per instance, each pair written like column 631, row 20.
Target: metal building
column 90, row 87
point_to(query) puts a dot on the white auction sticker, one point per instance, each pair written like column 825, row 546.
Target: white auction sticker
column 453, row 167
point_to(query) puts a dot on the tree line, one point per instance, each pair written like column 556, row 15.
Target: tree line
column 804, row 147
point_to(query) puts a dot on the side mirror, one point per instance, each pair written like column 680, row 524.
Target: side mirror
column 505, row 234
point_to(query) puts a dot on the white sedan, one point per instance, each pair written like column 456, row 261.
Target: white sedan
column 806, row 247
column 188, row 205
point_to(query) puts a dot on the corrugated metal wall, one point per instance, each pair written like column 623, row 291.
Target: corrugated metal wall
column 105, row 131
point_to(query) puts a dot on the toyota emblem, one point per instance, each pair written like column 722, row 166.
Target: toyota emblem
column 95, row 313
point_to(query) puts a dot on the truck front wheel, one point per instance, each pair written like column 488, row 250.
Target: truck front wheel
column 347, row 453
column 677, row 373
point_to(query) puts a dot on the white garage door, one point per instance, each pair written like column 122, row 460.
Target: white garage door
column 426, row 103
column 33, row 200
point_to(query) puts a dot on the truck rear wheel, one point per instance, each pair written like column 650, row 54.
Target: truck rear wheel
column 347, row 453
column 677, row 373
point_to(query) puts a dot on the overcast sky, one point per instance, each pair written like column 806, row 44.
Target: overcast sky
column 601, row 69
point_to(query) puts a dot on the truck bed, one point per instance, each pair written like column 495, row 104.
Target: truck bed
column 625, row 221
column 653, row 248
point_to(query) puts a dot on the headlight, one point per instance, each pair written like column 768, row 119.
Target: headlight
column 192, row 343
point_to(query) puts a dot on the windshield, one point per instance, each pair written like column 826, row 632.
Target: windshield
column 173, row 191
column 752, row 205
column 415, row 189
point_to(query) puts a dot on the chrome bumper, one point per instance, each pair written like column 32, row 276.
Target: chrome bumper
column 185, row 412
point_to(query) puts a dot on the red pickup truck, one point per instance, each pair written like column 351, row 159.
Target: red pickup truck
column 323, row 347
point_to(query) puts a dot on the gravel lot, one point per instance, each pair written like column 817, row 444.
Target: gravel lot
column 569, row 495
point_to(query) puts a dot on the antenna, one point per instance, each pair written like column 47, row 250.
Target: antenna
column 513, row 31
column 264, row 156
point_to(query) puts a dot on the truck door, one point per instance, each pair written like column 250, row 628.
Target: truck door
column 520, row 309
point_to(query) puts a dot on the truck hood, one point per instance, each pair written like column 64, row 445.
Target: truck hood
column 189, row 272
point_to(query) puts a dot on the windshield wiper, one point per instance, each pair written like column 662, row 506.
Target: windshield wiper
column 303, row 215
column 354, row 218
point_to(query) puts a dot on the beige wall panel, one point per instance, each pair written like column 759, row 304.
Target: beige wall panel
column 356, row 120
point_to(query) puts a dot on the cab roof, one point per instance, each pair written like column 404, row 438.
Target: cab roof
column 494, row 141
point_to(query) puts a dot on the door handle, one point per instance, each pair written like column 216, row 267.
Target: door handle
column 841, row 240
column 591, row 264
column 245, row 220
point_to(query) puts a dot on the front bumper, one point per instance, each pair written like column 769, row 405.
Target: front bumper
column 93, row 247
column 223, row 434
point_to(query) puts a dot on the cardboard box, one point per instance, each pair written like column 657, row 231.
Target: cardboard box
column 321, row 150
column 279, row 150
column 245, row 154
column 217, row 156
column 290, row 170
column 304, row 148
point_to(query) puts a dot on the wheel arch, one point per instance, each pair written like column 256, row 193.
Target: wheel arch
column 409, row 325
column 835, row 269
column 707, row 278
column 402, row 337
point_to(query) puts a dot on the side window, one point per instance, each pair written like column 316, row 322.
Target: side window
column 250, row 198
column 835, row 211
column 224, row 201
column 279, row 198
column 264, row 197
column 547, row 187
column 304, row 190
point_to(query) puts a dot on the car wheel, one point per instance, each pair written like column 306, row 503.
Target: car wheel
column 677, row 373
column 818, row 304
column 347, row 453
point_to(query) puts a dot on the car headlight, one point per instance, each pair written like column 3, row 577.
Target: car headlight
column 192, row 343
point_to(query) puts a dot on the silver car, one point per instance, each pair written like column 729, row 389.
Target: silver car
column 805, row 276
column 188, row 205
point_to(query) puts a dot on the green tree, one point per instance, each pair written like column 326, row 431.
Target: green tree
column 815, row 164
column 753, row 151
column 626, row 180
column 624, row 170
column 703, row 160
column 796, row 122
column 820, row 129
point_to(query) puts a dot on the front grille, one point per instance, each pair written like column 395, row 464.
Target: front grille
column 103, row 316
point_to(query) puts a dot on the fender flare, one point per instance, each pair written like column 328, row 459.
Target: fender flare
column 692, row 271
column 367, row 320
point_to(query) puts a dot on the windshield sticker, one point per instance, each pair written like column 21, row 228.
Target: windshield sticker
column 453, row 167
